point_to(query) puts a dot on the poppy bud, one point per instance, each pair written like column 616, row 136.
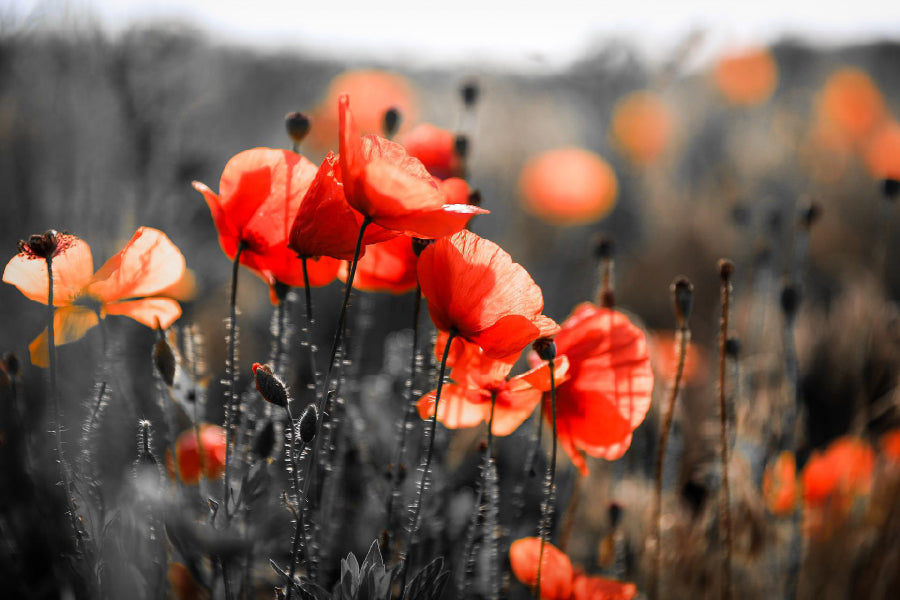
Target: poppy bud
column 40, row 245
column 309, row 424
column 603, row 247
column 264, row 441
column 614, row 510
column 297, row 125
column 469, row 92
column 726, row 269
column 419, row 244
column 390, row 122
column 270, row 387
column 545, row 348
column 890, row 188
column 475, row 197
column 461, row 145
column 146, row 462
column 11, row 364
column 732, row 347
column 810, row 213
column 164, row 361
column 790, row 300
column 281, row 290
column 683, row 295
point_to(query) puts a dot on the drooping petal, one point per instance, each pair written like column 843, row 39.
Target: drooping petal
column 455, row 190
column 152, row 312
column 539, row 376
column 70, row 323
column 556, row 568
column 148, row 264
column 459, row 407
column 600, row 588
column 72, row 270
column 435, row 223
column 515, row 404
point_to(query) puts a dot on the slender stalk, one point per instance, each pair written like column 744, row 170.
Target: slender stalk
column 231, row 406
column 725, row 270
column 547, row 508
column 569, row 519
column 309, row 328
column 429, row 452
column 299, row 529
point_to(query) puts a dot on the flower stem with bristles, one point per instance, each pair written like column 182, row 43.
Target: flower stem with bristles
column 726, row 268
column 231, row 406
column 549, row 493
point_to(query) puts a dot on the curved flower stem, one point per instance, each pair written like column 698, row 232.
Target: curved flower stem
column 232, row 408
column 309, row 327
column 299, row 529
column 725, row 498
column 684, row 336
column 549, row 494
column 429, row 452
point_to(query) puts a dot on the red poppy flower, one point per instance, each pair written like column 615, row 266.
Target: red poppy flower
column 556, row 568
column 841, row 473
column 568, row 186
column 392, row 188
column 435, row 147
column 130, row 284
column 259, row 196
column 890, row 446
column 883, row 151
column 610, row 383
column 852, row 102
column 475, row 289
column 747, row 78
column 664, row 356
column 467, row 402
column 779, row 485
column 206, row 458
column 585, row 587
column 642, row 126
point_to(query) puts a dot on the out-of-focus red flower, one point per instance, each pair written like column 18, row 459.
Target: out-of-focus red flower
column 747, row 78
column 206, row 458
column 890, row 446
column 586, row 587
column 467, row 402
column 779, row 485
column 568, row 186
column 852, row 102
column 260, row 193
column 435, row 147
column 129, row 283
column 392, row 188
column 883, row 151
column 387, row 267
column 642, row 126
column 474, row 288
column 556, row 568
column 182, row 583
column 374, row 92
column 664, row 356
column 840, row 474
column 610, row 383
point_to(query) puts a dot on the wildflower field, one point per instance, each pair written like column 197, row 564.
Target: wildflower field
column 274, row 326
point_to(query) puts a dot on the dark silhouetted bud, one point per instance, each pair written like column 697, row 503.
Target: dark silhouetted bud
column 810, row 213
column 614, row 510
column 309, row 424
column 603, row 247
column 11, row 364
column 41, row 245
column 726, row 269
column 390, row 122
column 683, row 296
column 475, row 197
column 270, row 387
column 264, row 441
column 545, row 348
column 461, row 145
column 419, row 244
column 164, row 360
column 281, row 290
column 732, row 347
column 401, row 474
column 790, row 300
column 890, row 188
column 297, row 125
column 470, row 92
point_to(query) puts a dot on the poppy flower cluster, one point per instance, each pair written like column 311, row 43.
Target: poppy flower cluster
column 138, row 282
column 559, row 580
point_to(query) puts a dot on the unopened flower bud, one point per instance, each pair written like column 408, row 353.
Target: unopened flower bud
column 614, row 510
column 297, row 125
column 603, row 247
column 264, row 440
column 11, row 364
column 270, row 387
column 461, row 145
column 419, row 244
column 281, row 290
column 683, row 296
column 164, row 360
column 390, row 122
column 475, row 197
column 790, row 300
column 726, row 270
column 732, row 347
column 890, row 188
column 309, row 424
column 469, row 92
column 545, row 348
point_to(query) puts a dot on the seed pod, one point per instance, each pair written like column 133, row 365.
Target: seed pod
column 461, row 145
column 726, row 269
column 683, row 296
column 40, row 245
column 164, row 361
column 297, row 125
column 469, row 92
column 390, row 122
column 790, row 300
column 732, row 347
column 545, row 348
column 309, row 424
column 270, row 387
column 890, row 188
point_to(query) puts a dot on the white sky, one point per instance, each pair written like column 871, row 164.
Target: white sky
column 520, row 33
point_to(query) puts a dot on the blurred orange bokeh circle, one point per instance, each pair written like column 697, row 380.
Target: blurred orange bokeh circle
column 746, row 78
column 642, row 126
column 852, row 102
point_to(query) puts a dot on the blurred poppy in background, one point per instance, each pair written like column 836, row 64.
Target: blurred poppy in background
column 435, row 147
column 882, row 153
column 642, row 127
column 851, row 102
column 197, row 456
column 779, row 485
column 746, row 78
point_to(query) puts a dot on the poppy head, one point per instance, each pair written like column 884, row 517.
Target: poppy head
column 474, row 289
column 556, row 568
column 568, row 186
column 435, row 147
column 642, row 126
column 194, row 457
column 851, row 102
column 779, row 485
column 883, row 151
column 610, row 384
column 746, row 78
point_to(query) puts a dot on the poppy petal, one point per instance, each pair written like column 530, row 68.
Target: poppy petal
column 72, row 270
column 148, row 263
column 435, row 223
column 456, row 410
column 70, row 323
column 556, row 568
column 152, row 312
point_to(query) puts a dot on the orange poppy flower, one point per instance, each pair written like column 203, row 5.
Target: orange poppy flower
column 392, row 188
column 838, row 475
column 556, row 568
column 610, row 383
column 642, row 126
column 852, row 102
column 374, row 92
column 206, row 458
column 883, row 151
column 467, row 402
column 585, row 587
column 747, row 78
column 259, row 196
column 779, row 485
column 435, row 147
column 475, row 289
column 568, row 186
column 890, row 446
column 664, row 356
column 129, row 284
column 326, row 224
